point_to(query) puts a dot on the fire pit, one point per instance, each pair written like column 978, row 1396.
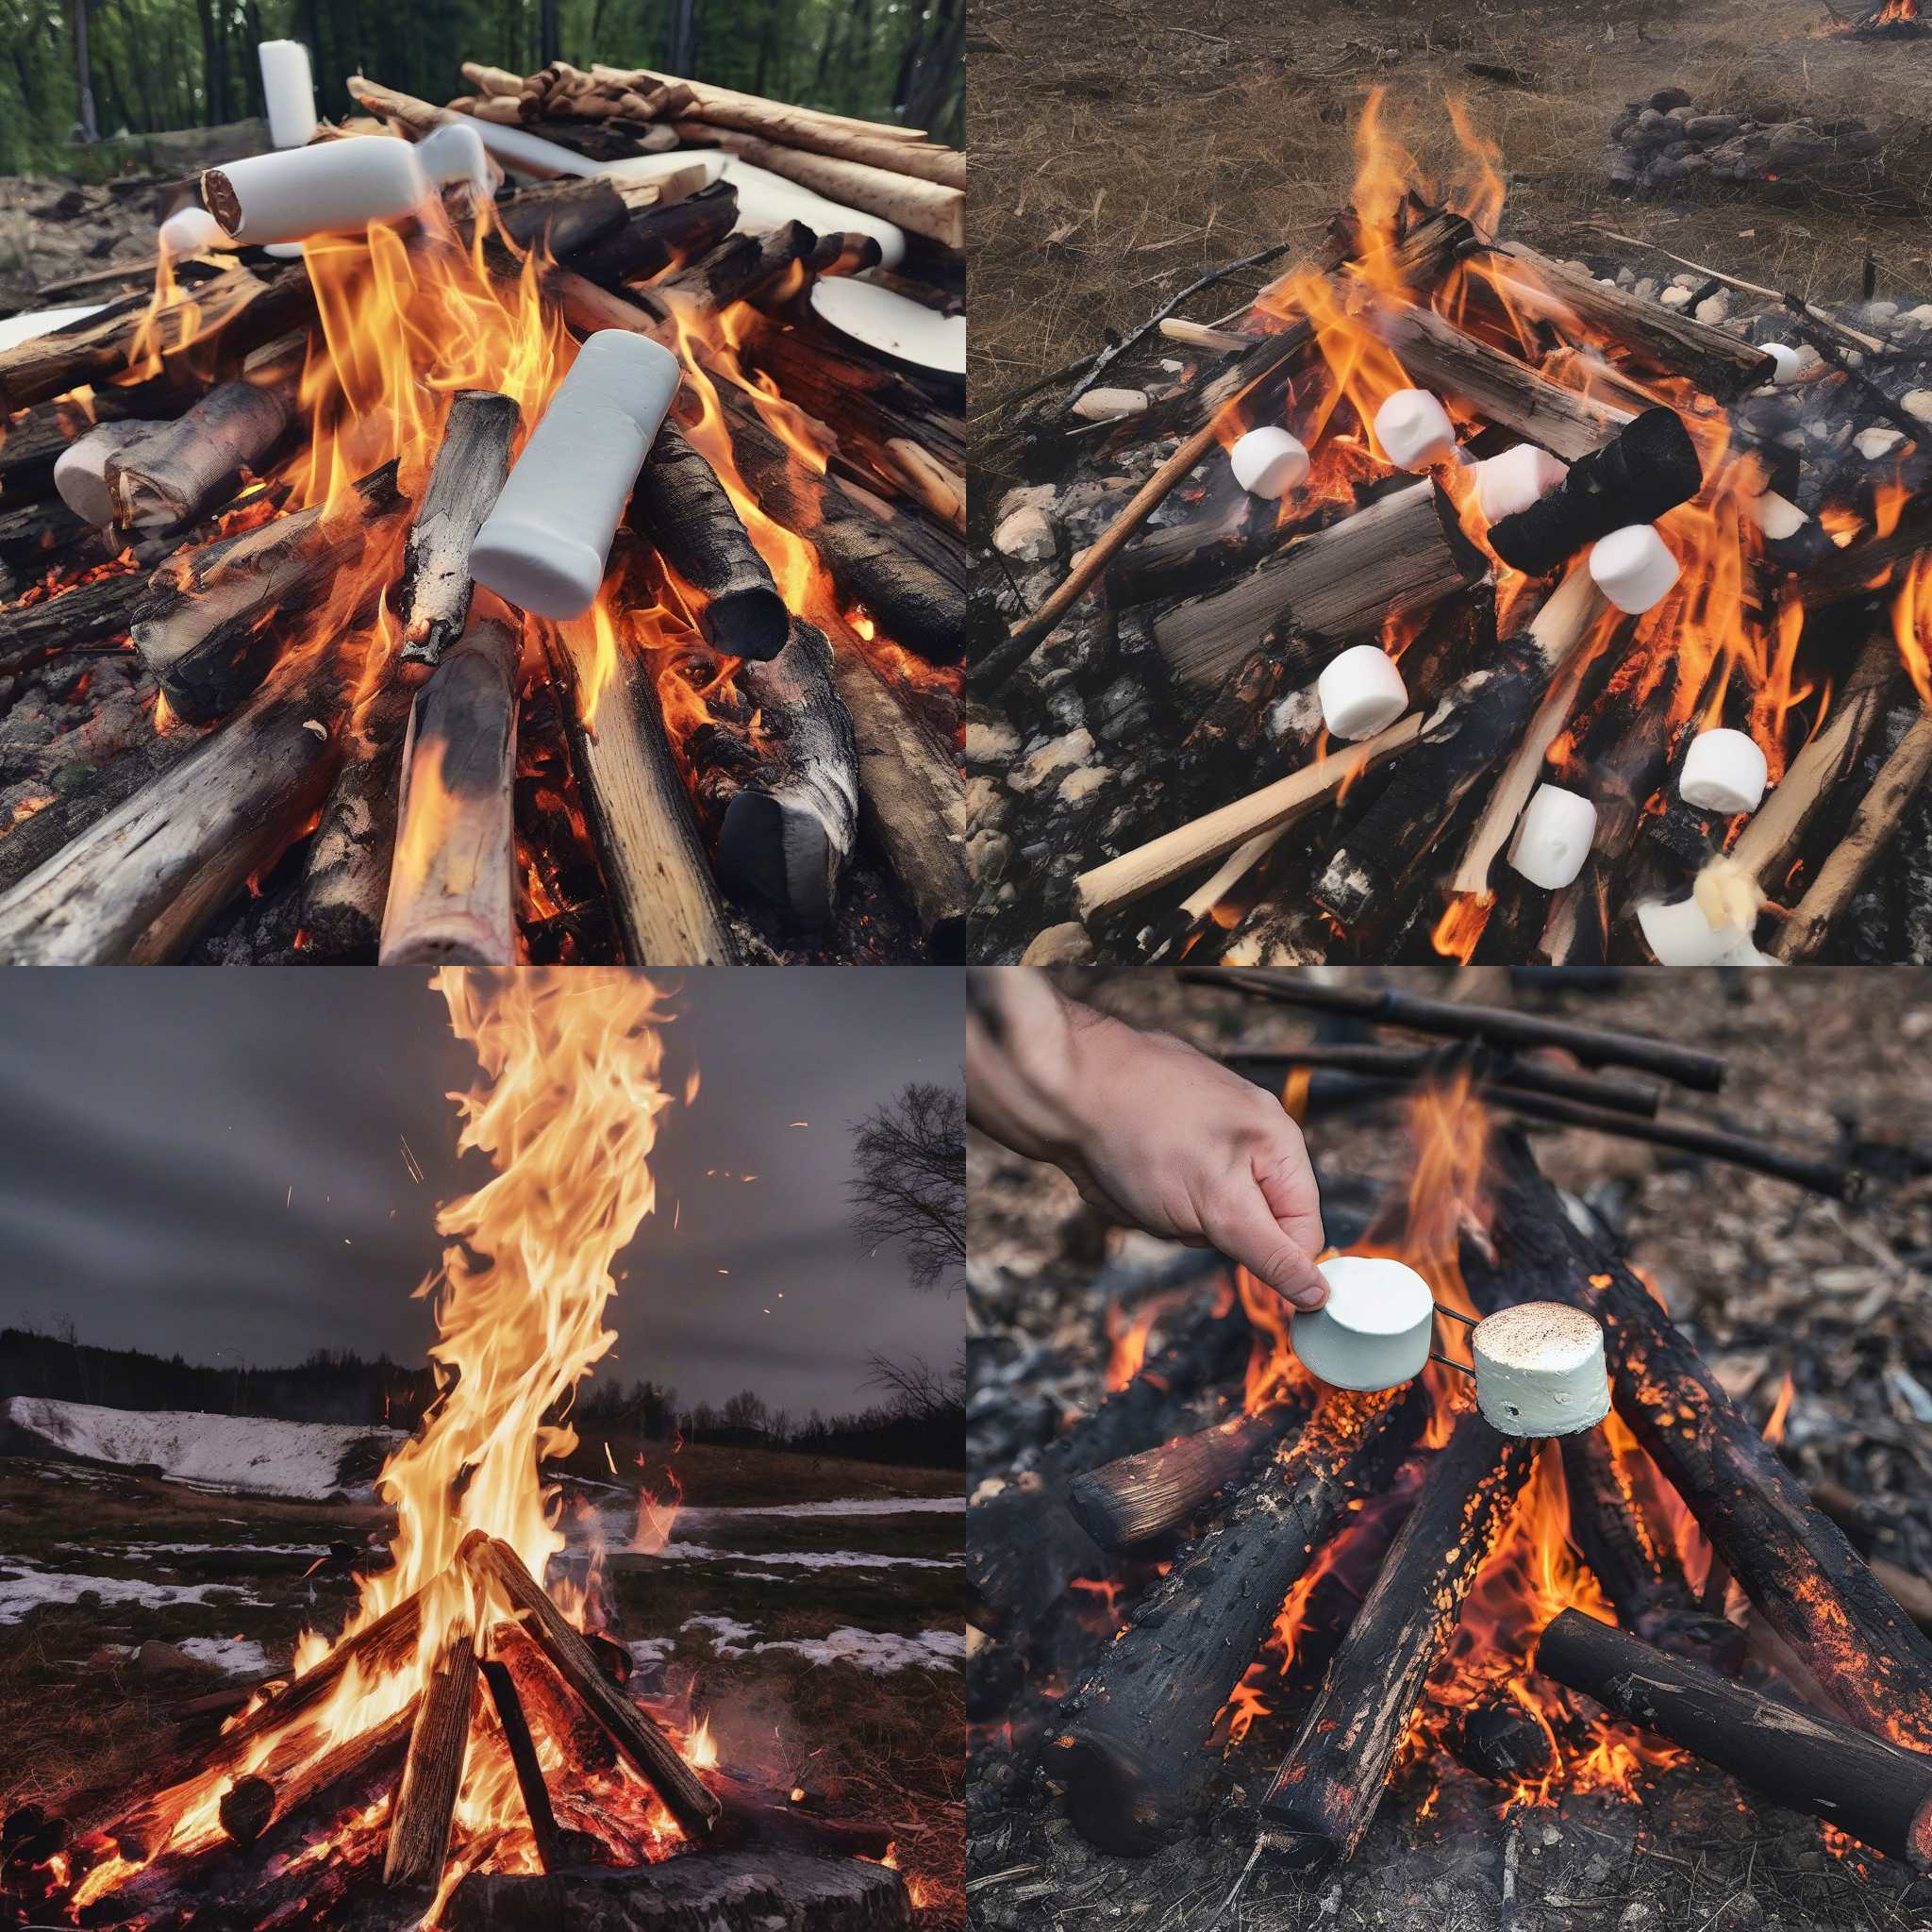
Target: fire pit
column 742, row 749
column 1161, row 770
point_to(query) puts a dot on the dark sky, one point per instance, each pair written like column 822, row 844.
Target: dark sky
column 152, row 1125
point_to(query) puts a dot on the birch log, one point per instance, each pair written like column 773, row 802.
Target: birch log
column 180, row 469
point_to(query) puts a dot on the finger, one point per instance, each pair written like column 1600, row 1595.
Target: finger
column 1242, row 1227
column 1288, row 1184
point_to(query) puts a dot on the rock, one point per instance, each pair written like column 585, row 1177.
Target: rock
column 1789, row 151
column 1081, row 784
column 1711, row 126
column 156, row 1656
column 1873, row 444
column 1024, row 496
column 990, row 744
column 983, row 801
column 1677, row 298
column 1639, row 1915
column 1666, row 98
column 1050, row 759
column 1110, row 405
column 1917, row 404
column 1027, row 535
column 986, row 853
column 1877, row 314
column 1921, row 315
column 1714, row 309
column 1646, row 290
column 1060, row 945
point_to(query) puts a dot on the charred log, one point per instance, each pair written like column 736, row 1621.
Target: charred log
column 652, row 239
column 179, row 469
column 523, row 1756
column 346, row 878
column 426, row 1799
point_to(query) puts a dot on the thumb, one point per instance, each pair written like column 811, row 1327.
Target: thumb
column 1245, row 1231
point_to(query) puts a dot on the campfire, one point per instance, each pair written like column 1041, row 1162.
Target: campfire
column 466, row 1752
column 1432, row 600
column 1235, row 1609
column 262, row 707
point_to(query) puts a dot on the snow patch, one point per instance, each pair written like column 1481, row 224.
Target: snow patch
column 846, row 1506
column 802, row 1559
column 239, row 1656
column 879, row 1651
column 25, row 1585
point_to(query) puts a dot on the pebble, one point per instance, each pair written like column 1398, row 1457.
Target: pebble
column 1677, row 298
column 990, row 744
column 1078, row 786
column 1059, row 945
column 1024, row 496
column 1917, row 403
column 1646, row 288
column 1714, row 309
column 1027, row 535
column 987, row 853
column 1876, row 444
column 1878, row 313
column 1110, row 405
column 1921, row 315
column 1050, row 759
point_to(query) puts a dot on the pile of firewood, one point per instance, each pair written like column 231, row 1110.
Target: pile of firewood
column 1151, row 773
column 185, row 772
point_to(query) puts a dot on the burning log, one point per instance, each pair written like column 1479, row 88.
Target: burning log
column 1640, row 1574
column 754, row 1819
column 433, row 1771
column 1472, row 726
column 1136, row 1498
column 790, row 828
column 246, row 1807
column 141, row 882
column 1864, row 1652
column 523, row 1758
column 451, row 895
column 179, row 470
column 652, row 238
column 433, row 596
column 682, row 509
column 1326, row 1791
column 663, row 899
column 1410, row 1065
column 1874, row 1791
column 645, row 1748
column 346, row 879
column 215, row 618
column 1133, row 1754
column 738, row 269
column 88, row 614
column 1401, row 553
column 548, row 1702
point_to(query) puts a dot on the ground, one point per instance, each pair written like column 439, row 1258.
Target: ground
column 764, row 1557
column 1772, row 1281
column 1122, row 147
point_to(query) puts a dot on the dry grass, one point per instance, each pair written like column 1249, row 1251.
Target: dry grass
column 1118, row 153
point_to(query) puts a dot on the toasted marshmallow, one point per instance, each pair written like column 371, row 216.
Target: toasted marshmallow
column 1539, row 1369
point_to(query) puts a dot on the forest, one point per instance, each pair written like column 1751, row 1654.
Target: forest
column 79, row 80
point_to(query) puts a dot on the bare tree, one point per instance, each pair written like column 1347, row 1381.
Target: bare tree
column 917, row 1389
column 908, row 1181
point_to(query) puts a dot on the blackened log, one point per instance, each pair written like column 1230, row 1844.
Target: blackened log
column 345, row 879
column 568, row 215
column 1792, row 1560
column 35, row 535
column 1416, row 1063
column 650, row 239
column 1226, row 531
column 1878, row 1793
column 681, row 507
column 523, row 1758
column 1847, row 573
column 791, row 824
column 1156, row 1492
column 425, row 1800
column 177, row 470
column 215, row 618
column 432, row 602
column 1649, row 468
column 1328, row 1790
column 246, row 1807
column 753, row 1819
column 1133, row 1753
column 740, row 268
column 89, row 613
column 452, row 897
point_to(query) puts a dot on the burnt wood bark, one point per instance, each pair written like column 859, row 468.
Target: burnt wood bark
column 1874, row 1791
column 246, row 1807
column 89, row 613
column 179, row 470
column 1133, row 1751
column 1226, row 531
column 347, row 877
column 652, row 239
column 523, row 1756
column 1328, row 1790
column 740, row 268
column 685, row 514
column 425, row 1800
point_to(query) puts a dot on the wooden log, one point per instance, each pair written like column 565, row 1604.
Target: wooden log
column 433, row 595
column 346, row 878
column 663, row 900
column 1132, row 1751
column 180, row 470
column 1474, row 725
column 141, row 882
column 1864, row 1653
column 1226, row 532
column 215, row 618
column 812, row 134
column 652, row 239
column 1669, row 341
column 1393, row 1007
column 755, row 1819
column 685, row 514
column 1880, row 1794
column 1137, row 1498
column 1874, row 826
column 1402, row 552
column 705, row 94
column 246, row 1807
column 644, row 1746
column 491, row 81
column 523, row 1758
column 1327, row 1788
column 790, row 824
column 452, row 898
column 1860, row 567
column 740, row 268
column 567, row 215
column 89, row 613
column 433, row 1771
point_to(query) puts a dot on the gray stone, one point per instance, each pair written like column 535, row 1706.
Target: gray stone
column 1711, row 126
column 1714, row 309
column 1027, row 535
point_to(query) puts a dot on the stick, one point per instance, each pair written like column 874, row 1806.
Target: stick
column 1607, row 1090
column 1794, row 1756
column 811, row 133
column 523, row 1758
column 433, row 1771
column 89, row 614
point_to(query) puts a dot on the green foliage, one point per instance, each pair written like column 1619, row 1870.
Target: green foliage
column 160, row 64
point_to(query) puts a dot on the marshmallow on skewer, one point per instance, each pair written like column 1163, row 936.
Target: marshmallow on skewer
column 1360, row 692
column 289, row 88
column 1514, row 480
column 544, row 545
column 1268, row 461
column 336, row 189
column 1724, row 772
column 191, row 230
column 1552, row 837
column 1539, row 1369
column 1415, row 431
column 1374, row 1330
column 80, row 471
column 1634, row 568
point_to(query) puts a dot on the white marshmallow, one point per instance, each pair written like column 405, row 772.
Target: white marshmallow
column 1514, row 480
column 1789, row 363
column 1552, row 837
column 1374, row 1330
column 1415, row 431
column 1360, row 692
column 336, row 189
column 1634, row 567
column 1681, row 935
column 289, row 88
column 545, row 543
column 1269, row 462
column 1777, row 516
column 1724, row 770
column 1110, row 405
column 80, row 471
column 1539, row 1369
column 189, row 231
column 455, row 152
